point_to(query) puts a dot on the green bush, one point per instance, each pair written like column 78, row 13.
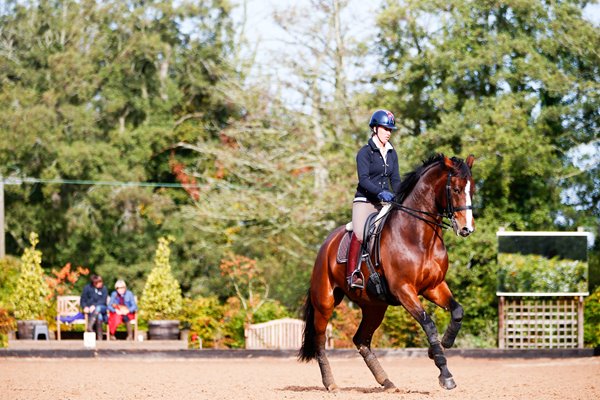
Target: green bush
column 270, row 310
column 235, row 318
column 161, row 298
column 9, row 275
column 7, row 324
column 30, row 298
column 534, row 273
column 592, row 319
column 203, row 316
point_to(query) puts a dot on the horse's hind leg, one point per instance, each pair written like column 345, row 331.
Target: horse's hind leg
column 411, row 302
column 316, row 316
column 371, row 319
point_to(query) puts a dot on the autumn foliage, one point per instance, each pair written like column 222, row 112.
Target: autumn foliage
column 64, row 279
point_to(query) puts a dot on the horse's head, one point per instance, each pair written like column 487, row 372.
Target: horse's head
column 459, row 190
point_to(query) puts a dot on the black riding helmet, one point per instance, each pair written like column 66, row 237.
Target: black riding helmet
column 383, row 118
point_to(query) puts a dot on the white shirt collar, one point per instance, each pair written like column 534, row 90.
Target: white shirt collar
column 388, row 145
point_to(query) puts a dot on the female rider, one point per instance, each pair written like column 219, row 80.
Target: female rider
column 378, row 180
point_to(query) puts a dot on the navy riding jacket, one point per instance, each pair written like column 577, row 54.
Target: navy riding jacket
column 374, row 174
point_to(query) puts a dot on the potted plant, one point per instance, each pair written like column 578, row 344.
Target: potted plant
column 30, row 297
column 161, row 301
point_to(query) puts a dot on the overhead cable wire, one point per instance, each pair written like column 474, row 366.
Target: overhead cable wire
column 19, row 181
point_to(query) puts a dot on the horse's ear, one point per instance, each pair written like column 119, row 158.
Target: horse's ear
column 448, row 163
column 470, row 160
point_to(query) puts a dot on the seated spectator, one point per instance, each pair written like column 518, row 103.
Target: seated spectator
column 122, row 309
column 93, row 301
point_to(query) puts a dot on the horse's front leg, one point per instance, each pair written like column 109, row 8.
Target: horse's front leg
column 371, row 319
column 411, row 302
column 456, row 313
column 442, row 297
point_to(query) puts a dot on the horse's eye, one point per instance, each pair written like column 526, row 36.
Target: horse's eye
column 456, row 190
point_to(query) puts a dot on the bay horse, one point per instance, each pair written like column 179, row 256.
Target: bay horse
column 413, row 261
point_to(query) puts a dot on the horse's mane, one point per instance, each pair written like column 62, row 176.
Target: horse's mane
column 410, row 179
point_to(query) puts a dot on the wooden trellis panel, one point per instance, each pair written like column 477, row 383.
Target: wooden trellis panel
column 540, row 322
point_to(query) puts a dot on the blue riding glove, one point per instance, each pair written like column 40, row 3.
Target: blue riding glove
column 386, row 196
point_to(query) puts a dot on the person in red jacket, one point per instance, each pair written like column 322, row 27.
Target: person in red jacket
column 122, row 308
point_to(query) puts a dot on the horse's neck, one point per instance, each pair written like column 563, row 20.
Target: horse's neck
column 423, row 195
column 422, row 198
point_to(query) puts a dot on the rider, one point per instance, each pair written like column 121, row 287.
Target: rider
column 378, row 180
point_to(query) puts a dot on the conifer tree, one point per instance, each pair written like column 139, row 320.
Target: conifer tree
column 30, row 298
column 161, row 298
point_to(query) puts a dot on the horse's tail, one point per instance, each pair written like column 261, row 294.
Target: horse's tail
column 308, row 351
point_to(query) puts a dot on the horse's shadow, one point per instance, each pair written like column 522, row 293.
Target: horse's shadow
column 350, row 389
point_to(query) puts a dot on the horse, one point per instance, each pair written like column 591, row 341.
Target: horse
column 413, row 261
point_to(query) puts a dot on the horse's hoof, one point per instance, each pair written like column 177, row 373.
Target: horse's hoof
column 447, row 383
column 332, row 388
column 389, row 387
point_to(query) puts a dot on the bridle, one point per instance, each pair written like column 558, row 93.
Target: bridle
column 449, row 212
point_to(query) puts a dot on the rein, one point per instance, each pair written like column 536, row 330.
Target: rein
column 448, row 212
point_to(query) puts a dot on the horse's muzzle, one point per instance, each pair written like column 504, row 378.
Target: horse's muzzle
column 464, row 232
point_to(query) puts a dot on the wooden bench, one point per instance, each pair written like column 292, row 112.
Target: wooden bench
column 68, row 306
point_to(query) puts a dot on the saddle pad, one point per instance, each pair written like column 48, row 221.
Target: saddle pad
column 342, row 253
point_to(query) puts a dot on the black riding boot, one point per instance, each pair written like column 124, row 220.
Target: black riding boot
column 355, row 279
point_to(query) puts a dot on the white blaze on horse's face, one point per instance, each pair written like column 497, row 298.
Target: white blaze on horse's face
column 469, row 210
column 463, row 223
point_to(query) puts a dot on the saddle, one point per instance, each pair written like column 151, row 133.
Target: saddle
column 370, row 251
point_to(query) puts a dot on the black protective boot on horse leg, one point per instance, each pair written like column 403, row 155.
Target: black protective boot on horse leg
column 456, row 313
column 355, row 276
column 436, row 352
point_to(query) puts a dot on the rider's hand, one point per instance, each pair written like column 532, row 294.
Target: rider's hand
column 386, row 196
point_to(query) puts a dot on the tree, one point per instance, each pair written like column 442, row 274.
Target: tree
column 514, row 83
column 247, row 280
column 100, row 91
column 161, row 298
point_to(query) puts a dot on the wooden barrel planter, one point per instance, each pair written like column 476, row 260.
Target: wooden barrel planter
column 25, row 328
column 163, row 330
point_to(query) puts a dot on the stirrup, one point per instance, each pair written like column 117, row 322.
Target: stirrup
column 355, row 285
